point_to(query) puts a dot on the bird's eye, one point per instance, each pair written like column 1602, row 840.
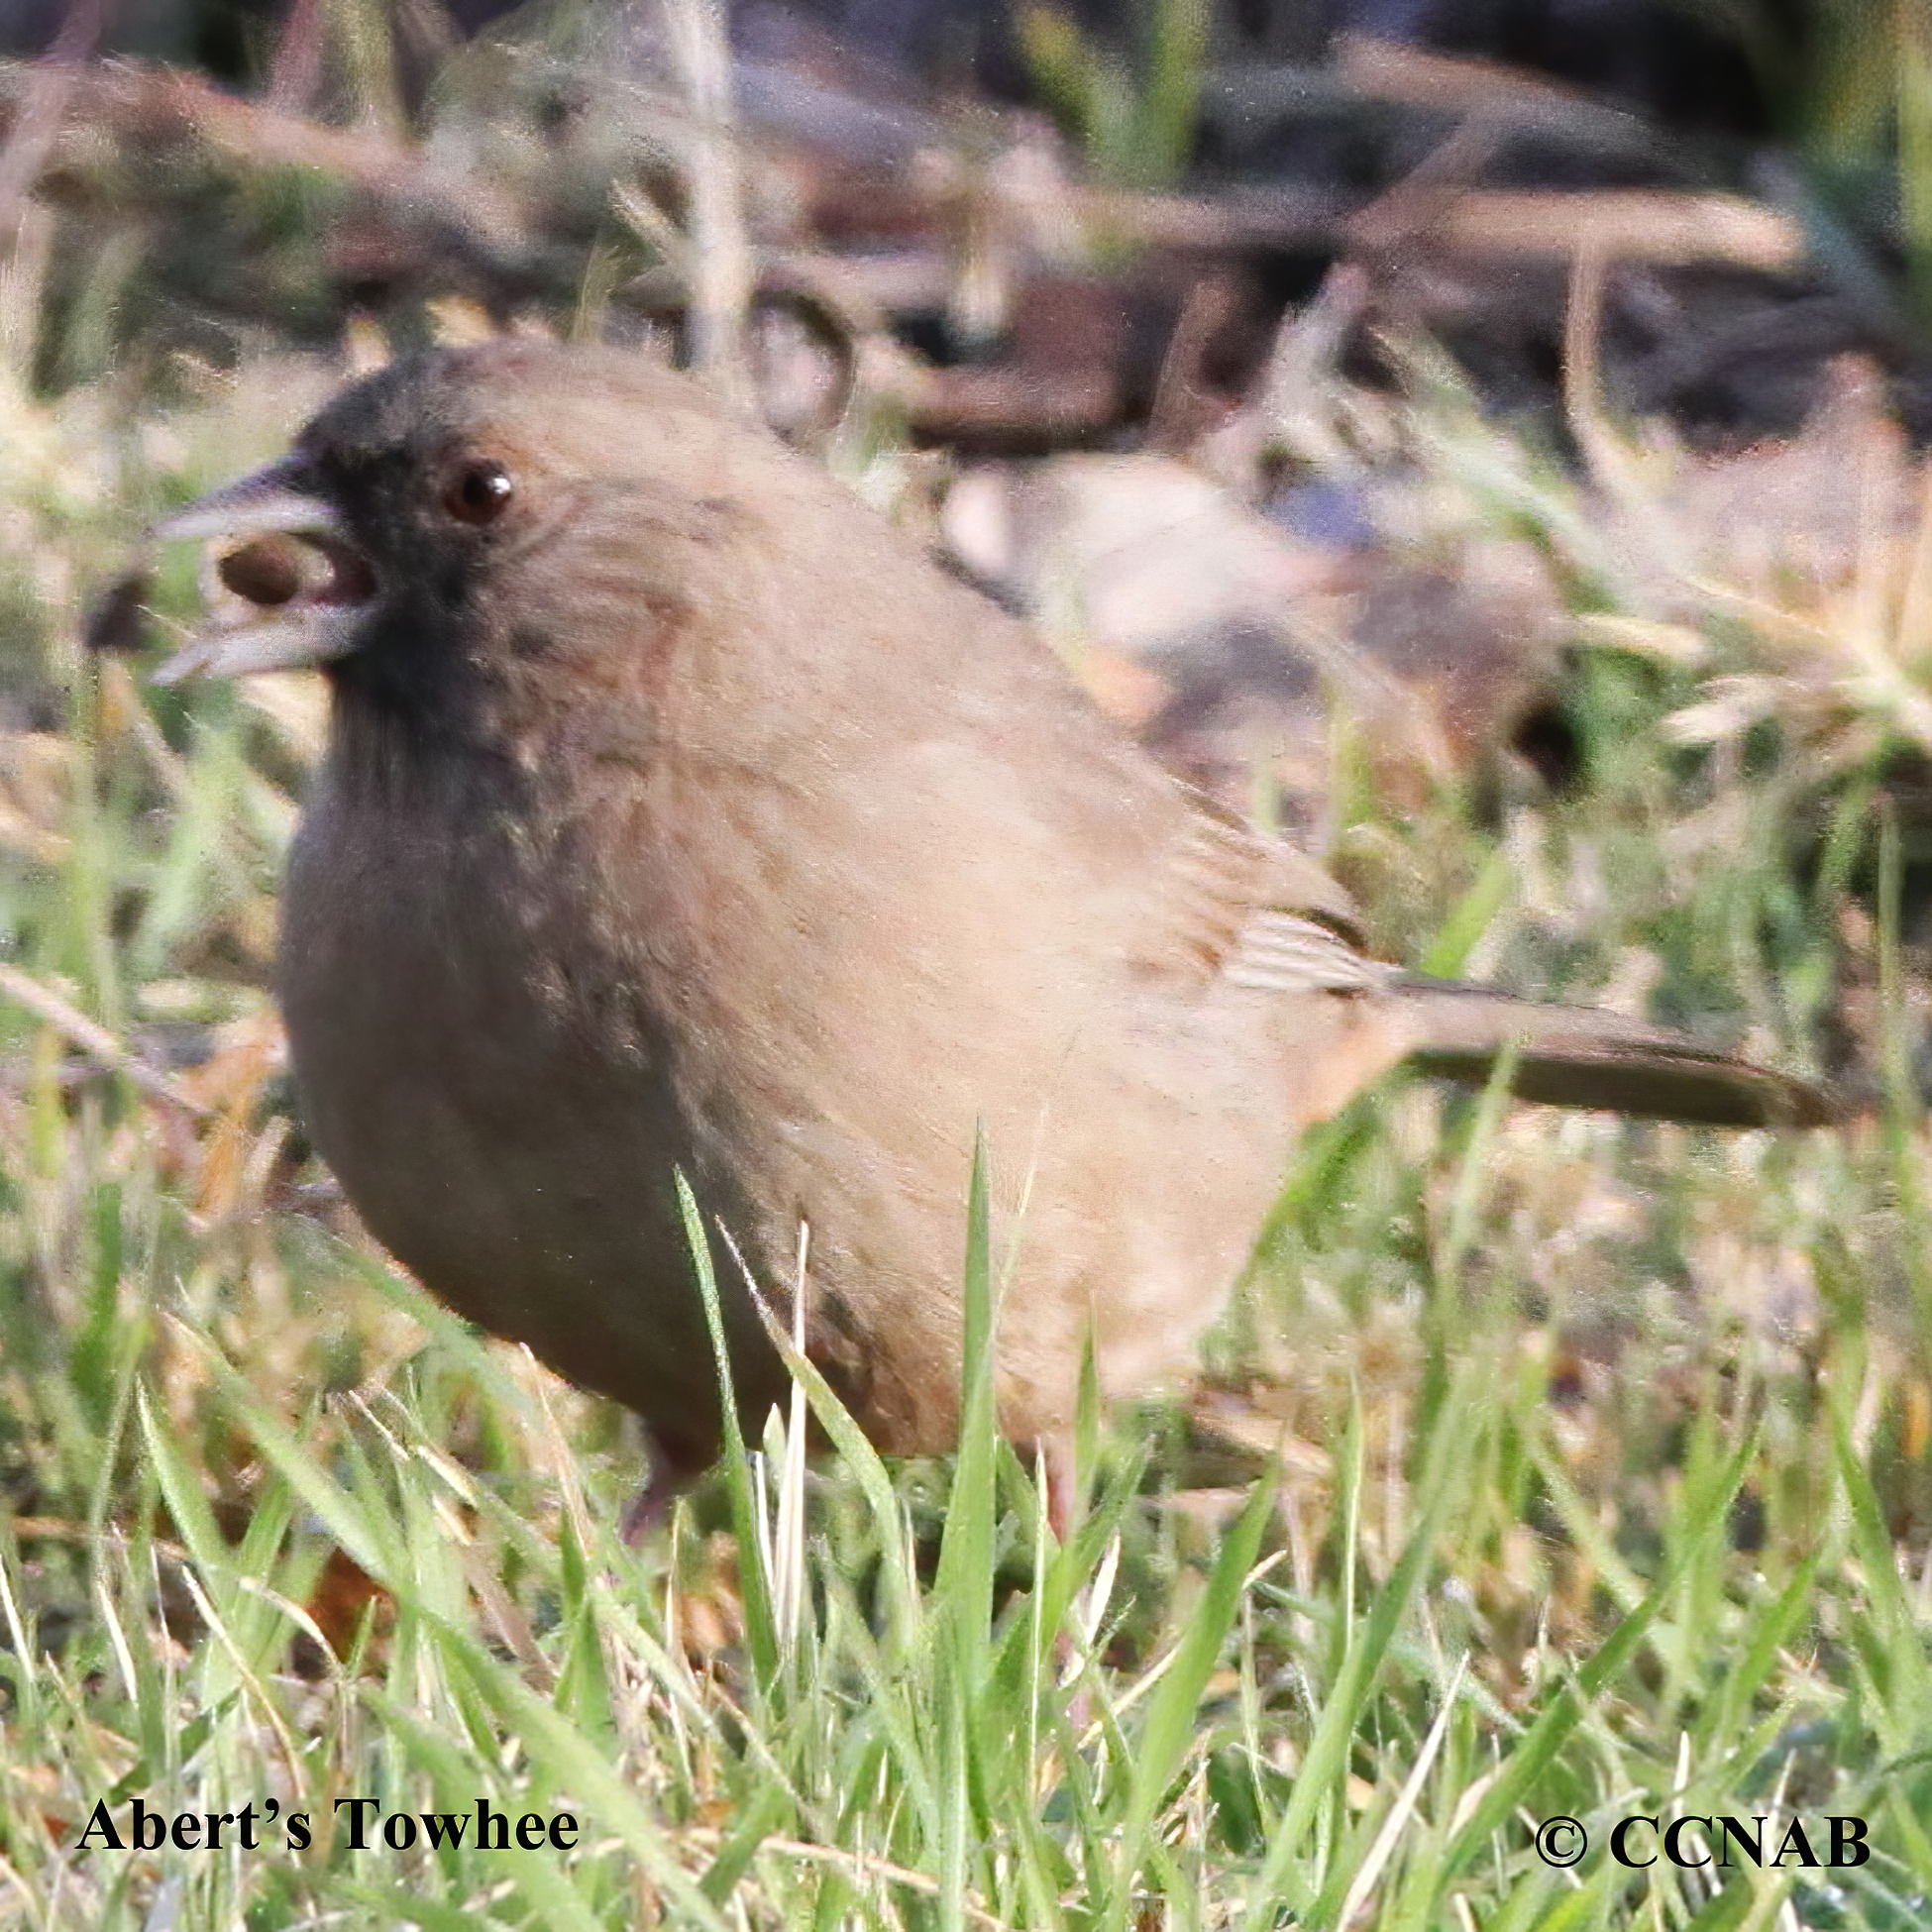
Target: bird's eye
column 479, row 492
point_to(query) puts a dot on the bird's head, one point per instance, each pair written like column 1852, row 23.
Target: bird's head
column 438, row 518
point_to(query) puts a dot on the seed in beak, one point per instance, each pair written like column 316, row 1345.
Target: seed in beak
column 268, row 571
column 281, row 566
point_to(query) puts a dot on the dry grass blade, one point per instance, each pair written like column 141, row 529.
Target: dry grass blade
column 93, row 1040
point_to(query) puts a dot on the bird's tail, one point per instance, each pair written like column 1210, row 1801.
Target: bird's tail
column 1580, row 1056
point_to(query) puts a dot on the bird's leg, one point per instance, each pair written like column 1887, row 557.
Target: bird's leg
column 1057, row 1468
column 673, row 1467
column 1058, row 1473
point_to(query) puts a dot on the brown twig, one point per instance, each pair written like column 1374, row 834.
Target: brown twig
column 1666, row 230
column 296, row 70
column 1427, row 193
column 719, row 256
column 1452, row 83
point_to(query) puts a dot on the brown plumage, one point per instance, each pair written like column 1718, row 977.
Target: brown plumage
column 678, row 813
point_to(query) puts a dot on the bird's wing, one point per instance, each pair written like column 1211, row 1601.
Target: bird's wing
column 1229, row 894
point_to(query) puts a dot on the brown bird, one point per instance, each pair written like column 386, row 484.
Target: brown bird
column 678, row 813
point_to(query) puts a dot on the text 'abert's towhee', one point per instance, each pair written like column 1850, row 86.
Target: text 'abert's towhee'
column 678, row 813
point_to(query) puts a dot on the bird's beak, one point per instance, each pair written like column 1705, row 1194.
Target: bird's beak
column 286, row 587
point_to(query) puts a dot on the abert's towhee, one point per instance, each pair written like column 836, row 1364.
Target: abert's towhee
column 678, row 813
